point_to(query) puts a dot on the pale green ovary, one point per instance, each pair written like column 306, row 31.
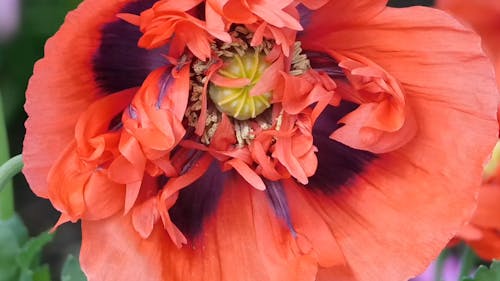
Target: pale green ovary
column 237, row 102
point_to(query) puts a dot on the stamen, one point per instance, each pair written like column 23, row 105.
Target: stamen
column 300, row 62
column 264, row 122
column 279, row 121
column 211, row 124
column 198, row 78
column 244, row 132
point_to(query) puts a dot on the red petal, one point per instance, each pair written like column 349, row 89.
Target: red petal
column 487, row 214
column 103, row 197
column 489, row 246
column 113, row 250
column 346, row 13
column 244, row 229
column 272, row 12
column 145, row 216
column 60, row 93
column 382, row 211
column 247, row 173
column 307, row 221
column 313, row 4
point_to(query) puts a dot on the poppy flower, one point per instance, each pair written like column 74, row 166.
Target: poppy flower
column 260, row 140
column 482, row 234
column 484, row 17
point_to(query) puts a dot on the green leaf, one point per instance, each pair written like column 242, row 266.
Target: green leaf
column 485, row 274
column 71, row 270
column 29, row 256
column 28, row 259
column 17, row 227
column 8, row 252
column 26, row 275
column 13, row 234
column 19, row 254
column 41, row 273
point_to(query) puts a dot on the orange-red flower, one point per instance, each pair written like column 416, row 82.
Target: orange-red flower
column 484, row 17
column 260, row 140
column 483, row 232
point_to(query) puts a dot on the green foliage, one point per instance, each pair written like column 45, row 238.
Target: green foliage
column 9, row 169
column 12, row 235
column 6, row 189
column 19, row 254
column 71, row 270
column 28, row 258
column 487, row 274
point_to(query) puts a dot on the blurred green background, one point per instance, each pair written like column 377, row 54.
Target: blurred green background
column 39, row 19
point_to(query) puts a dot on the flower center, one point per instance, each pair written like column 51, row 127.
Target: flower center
column 227, row 85
column 236, row 101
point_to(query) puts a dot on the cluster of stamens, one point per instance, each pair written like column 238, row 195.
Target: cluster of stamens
column 239, row 62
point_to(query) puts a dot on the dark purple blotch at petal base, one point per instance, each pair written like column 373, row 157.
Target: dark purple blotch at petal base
column 337, row 162
column 119, row 63
column 321, row 62
column 279, row 202
column 305, row 15
column 198, row 201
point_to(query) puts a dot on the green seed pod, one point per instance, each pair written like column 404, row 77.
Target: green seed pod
column 237, row 102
